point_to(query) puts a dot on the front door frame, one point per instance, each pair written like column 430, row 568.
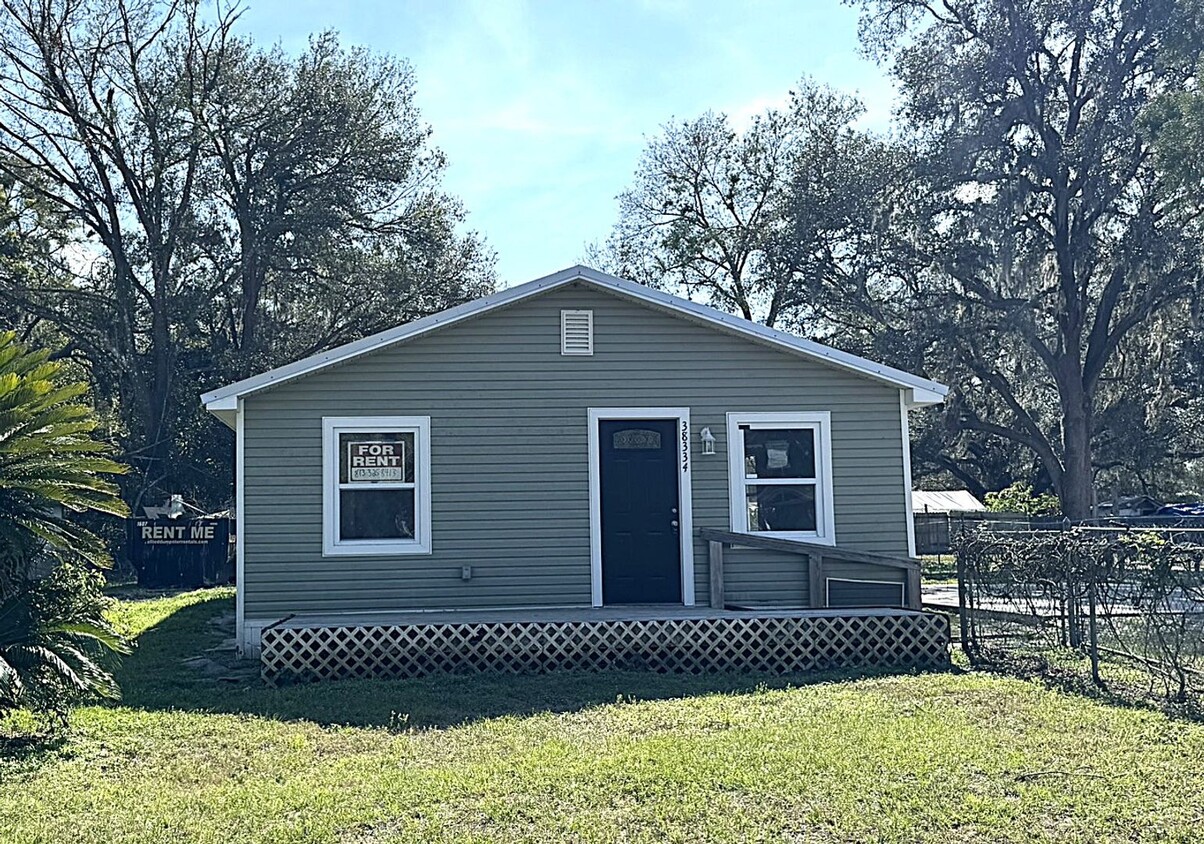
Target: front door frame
column 684, row 493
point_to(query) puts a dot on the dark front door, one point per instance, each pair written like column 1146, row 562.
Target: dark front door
column 638, row 475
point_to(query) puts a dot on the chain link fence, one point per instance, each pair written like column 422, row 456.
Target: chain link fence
column 1119, row 608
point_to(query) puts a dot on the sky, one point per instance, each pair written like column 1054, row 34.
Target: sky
column 543, row 108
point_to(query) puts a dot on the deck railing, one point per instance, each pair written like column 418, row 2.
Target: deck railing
column 816, row 555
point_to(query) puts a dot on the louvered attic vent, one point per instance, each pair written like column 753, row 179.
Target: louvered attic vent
column 576, row 332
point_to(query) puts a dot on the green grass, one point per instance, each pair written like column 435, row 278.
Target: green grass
column 216, row 757
column 939, row 568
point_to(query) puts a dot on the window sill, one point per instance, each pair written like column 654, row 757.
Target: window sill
column 376, row 549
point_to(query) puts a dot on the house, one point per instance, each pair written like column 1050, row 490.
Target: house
column 944, row 501
column 573, row 450
column 1128, row 506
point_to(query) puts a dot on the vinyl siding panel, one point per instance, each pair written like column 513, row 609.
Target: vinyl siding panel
column 509, row 489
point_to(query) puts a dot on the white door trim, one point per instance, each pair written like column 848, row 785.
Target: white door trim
column 684, row 493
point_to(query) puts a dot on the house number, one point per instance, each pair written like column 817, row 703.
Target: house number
column 685, row 446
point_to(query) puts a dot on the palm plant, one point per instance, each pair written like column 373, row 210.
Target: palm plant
column 51, row 470
column 50, row 637
column 50, row 466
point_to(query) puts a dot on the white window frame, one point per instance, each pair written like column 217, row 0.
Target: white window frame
column 818, row 421
column 420, row 427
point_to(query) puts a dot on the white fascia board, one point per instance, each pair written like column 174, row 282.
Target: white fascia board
column 771, row 336
column 924, row 390
column 926, row 398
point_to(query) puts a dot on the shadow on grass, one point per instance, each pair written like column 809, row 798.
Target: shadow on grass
column 1078, row 682
column 156, row 677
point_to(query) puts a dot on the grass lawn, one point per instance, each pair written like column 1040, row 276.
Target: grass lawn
column 206, row 754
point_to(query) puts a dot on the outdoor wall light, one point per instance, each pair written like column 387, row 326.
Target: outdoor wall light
column 708, row 441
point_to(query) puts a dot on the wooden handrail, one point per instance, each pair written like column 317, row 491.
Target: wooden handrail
column 798, row 546
column 815, row 554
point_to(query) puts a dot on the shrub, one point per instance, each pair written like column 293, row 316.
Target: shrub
column 1021, row 498
column 51, row 636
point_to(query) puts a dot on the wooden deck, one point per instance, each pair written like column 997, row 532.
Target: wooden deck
column 666, row 639
column 626, row 612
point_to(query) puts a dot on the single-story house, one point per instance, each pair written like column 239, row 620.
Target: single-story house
column 576, row 448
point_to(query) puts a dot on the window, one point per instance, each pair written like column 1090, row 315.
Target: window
column 376, row 495
column 780, row 475
column 576, row 332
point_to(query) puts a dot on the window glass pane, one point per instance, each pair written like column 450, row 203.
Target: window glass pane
column 376, row 514
column 636, row 438
column 779, row 453
column 374, row 458
column 781, row 507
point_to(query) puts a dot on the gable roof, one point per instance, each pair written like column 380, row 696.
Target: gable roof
column 224, row 400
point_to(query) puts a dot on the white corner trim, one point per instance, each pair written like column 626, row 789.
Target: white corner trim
column 685, row 494
column 421, row 428
column 819, row 421
column 245, row 646
column 905, row 424
column 924, row 390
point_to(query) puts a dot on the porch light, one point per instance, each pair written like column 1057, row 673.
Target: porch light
column 708, row 441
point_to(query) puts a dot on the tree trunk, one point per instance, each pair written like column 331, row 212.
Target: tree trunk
column 1076, row 489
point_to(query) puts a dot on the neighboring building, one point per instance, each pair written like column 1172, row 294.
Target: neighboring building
column 1128, row 506
column 944, row 501
column 559, row 445
column 935, row 512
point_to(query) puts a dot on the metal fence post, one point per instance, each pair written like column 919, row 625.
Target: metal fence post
column 962, row 604
column 1093, row 631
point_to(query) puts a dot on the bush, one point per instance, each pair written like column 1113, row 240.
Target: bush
column 1021, row 498
column 52, row 635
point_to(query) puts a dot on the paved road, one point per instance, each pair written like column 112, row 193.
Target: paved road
column 944, row 595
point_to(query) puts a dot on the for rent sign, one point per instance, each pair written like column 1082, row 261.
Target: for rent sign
column 376, row 461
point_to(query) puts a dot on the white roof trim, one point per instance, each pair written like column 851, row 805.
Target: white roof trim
column 923, row 391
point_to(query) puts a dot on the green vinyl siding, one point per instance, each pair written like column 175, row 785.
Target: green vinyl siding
column 509, row 488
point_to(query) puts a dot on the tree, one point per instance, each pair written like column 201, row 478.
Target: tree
column 230, row 208
column 709, row 211
column 329, row 192
column 1061, row 236
column 51, row 468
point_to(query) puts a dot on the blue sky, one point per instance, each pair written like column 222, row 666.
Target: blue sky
column 544, row 107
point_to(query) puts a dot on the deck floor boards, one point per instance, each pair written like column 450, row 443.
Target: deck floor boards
column 575, row 614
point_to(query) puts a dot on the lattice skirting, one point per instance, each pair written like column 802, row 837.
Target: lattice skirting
column 776, row 644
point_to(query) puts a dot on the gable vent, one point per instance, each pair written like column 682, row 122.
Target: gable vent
column 576, row 332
